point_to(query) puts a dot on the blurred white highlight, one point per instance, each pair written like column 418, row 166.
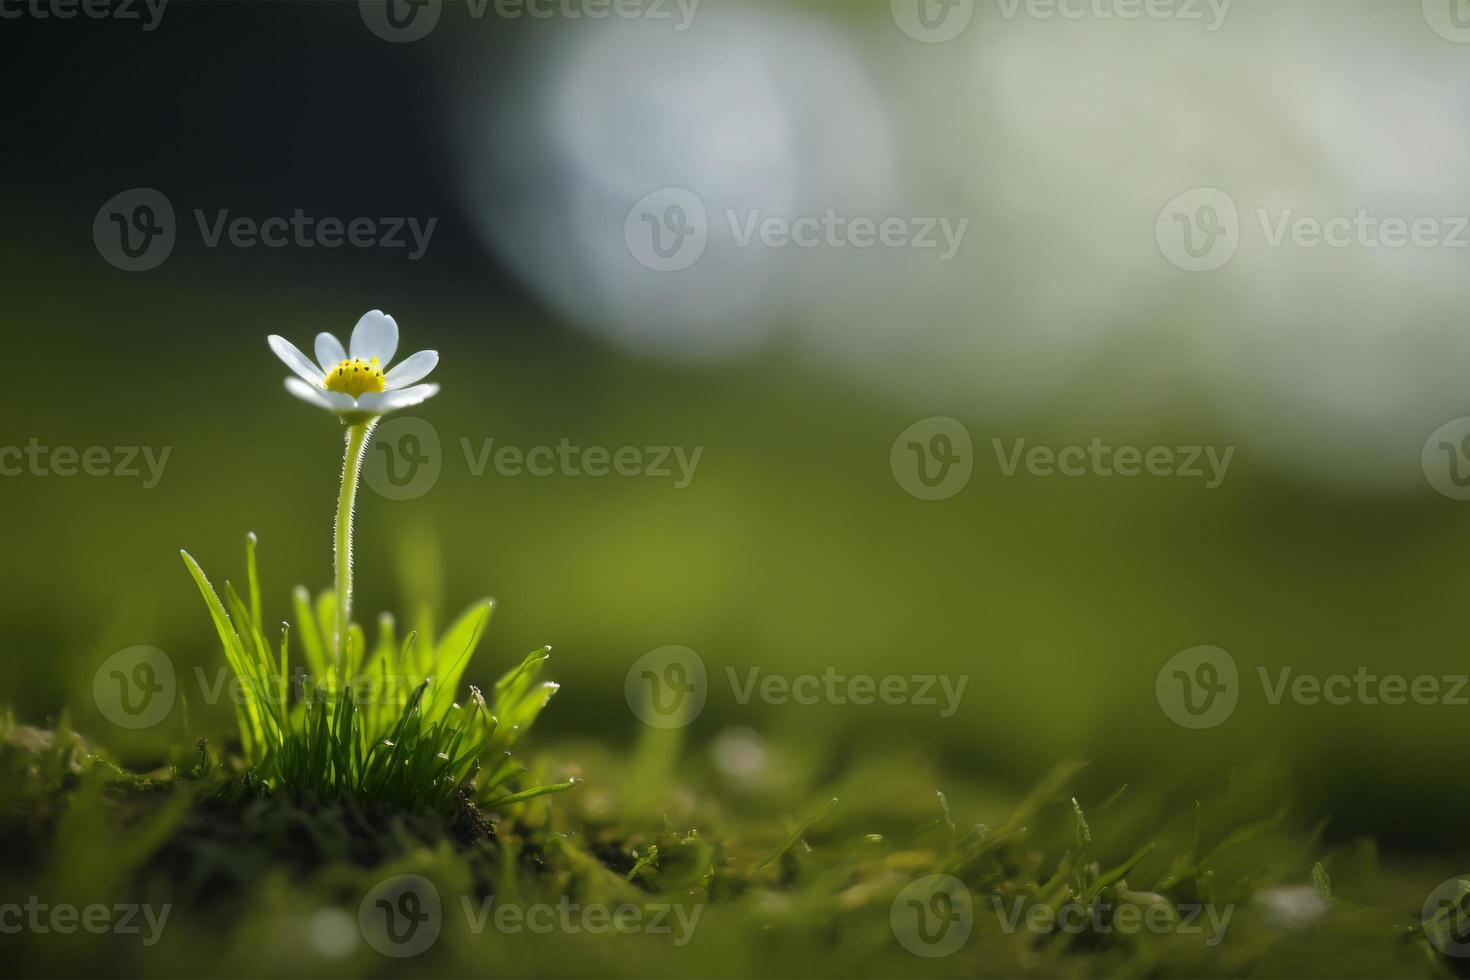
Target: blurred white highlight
column 1060, row 141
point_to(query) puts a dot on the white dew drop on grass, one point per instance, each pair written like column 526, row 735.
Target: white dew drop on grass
column 332, row 933
column 739, row 754
column 1291, row 906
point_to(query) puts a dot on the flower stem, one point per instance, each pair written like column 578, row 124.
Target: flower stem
column 357, row 440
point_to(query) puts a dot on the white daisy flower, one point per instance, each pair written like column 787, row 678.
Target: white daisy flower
column 356, row 385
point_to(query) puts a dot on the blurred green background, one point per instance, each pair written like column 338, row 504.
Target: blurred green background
column 794, row 548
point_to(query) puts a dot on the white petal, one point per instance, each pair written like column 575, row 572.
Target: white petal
column 376, row 335
column 388, row 401
column 412, row 368
column 295, row 360
column 329, row 352
column 341, row 401
column 307, row 393
column 333, row 401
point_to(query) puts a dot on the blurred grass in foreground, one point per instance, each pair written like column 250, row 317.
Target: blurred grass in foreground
column 1239, row 884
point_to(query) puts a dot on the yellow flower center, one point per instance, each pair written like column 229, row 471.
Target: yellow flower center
column 355, row 376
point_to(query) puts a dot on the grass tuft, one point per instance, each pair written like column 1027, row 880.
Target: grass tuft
column 380, row 726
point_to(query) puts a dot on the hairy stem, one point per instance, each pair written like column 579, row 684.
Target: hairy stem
column 357, row 440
